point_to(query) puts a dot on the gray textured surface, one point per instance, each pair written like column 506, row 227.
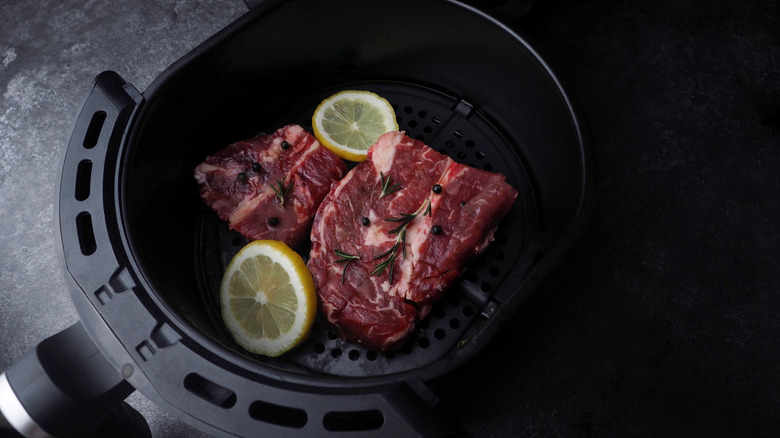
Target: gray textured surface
column 50, row 51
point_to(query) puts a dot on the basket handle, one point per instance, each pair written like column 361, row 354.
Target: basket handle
column 65, row 387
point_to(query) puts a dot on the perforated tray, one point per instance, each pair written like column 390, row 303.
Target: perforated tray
column 454, row 127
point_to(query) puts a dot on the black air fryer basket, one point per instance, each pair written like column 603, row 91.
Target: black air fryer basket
column 145, row 256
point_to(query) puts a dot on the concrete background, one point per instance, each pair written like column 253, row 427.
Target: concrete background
column 50, row 51
column 662, row 321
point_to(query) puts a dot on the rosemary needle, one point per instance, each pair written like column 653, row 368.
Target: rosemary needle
column 345, row 257
column 281, row 191
column 387, row 185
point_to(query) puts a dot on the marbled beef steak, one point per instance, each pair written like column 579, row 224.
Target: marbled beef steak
column 269, row 187
column 395, row 233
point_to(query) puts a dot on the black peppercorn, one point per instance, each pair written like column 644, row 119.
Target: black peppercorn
column 285, row 145
column 256, row 167
column 274, row 221
column 436, row 229
column 242, row 177
column 437, row 189
column 366, row 222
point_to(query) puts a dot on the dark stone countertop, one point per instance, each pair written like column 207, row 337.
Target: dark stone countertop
column 661, row 321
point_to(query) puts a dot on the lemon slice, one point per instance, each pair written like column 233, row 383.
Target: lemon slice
column 351, row 121
column 268, row 298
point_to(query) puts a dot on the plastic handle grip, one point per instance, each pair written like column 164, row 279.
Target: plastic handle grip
column 63, row 387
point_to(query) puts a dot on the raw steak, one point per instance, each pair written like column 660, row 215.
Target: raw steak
column 374, row 276
column 245, row 181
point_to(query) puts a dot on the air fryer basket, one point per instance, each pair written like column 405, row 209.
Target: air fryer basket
column 146, row 256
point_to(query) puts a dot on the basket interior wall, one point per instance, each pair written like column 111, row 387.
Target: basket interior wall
column 247, row 78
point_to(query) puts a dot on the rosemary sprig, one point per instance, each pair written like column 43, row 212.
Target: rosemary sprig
column 345, row 257
column 387, row 185
column 281, row 191
column 390, row 255
column 389, row 261
column 404, row 219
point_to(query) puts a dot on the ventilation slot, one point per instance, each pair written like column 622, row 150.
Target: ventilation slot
column 278, row 415
column 213, row 393
column 83, row 176
column 86, row 233
column 93, row 130
column 353, row 421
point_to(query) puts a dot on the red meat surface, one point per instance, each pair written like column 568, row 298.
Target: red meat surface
column 377, row 307
column 238, row 183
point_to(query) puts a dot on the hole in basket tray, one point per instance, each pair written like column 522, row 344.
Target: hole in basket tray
column 86, row 233
column 278, row 414
column 351, row 421
column 93, row 130
column 212, row 392
column 83, row 177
